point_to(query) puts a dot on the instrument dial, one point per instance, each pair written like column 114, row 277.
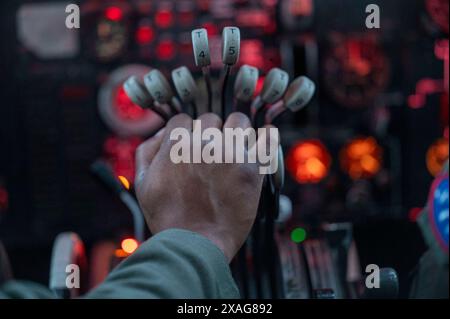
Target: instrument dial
column 356, row 71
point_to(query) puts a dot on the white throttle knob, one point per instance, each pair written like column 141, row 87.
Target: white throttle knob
column 231, row 45
column 137, row 93
column 158, row 86
column 245, row 84
column 201, row 48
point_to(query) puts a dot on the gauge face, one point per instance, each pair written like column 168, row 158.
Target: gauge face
column 356, row 71
column 111, row 39
column 118, row 112
column 308, row 162
column 361, row 158
column 438, row 11
column 125, row 108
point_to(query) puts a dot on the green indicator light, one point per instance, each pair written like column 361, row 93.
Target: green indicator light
column 298, row 235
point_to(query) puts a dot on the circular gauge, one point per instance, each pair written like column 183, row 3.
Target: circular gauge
column 118, row 112
column 308, row 162
column 356, row 71
column 361, row 158
column 438, row 11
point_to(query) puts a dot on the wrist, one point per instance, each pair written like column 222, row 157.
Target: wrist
column 225, row 248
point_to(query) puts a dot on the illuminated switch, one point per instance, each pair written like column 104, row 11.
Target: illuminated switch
column 145, row 34
column 165, row 50
column 164, row 18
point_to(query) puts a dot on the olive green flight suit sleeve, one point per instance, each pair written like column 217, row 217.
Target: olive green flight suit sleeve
column 173, row 264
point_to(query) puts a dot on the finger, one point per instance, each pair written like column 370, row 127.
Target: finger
column 240, row 120
column 179, row 121
column 210, row 120
column 145, row 154
column 236, row 120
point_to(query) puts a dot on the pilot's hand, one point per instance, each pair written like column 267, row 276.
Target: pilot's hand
column 218, row 201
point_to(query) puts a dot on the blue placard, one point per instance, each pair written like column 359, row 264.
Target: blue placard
column 439, row 210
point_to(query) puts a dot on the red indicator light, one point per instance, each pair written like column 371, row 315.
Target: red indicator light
column 165, row 50
column 362, row 158
column 145, row 35
column 164, row 19
column 114, row 13
column 428, row 86
column 308, row 162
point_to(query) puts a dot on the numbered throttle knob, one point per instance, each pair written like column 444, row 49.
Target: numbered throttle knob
column 231, row 45
column 245, row 84
column 184, row 84
column 137, row 93
column 275, row 85
column 158, row 86
column 201, row 48
column 299, row 93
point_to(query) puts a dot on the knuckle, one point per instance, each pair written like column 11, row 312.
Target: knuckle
column 238, row 117
column 210, row 118
column 180, row 118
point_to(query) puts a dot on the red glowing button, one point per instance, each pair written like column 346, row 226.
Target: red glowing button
column 308, row 162
column 114, row 13
column 164, row 19
column 165, row 50
column 145, row 35
column 361, row 158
